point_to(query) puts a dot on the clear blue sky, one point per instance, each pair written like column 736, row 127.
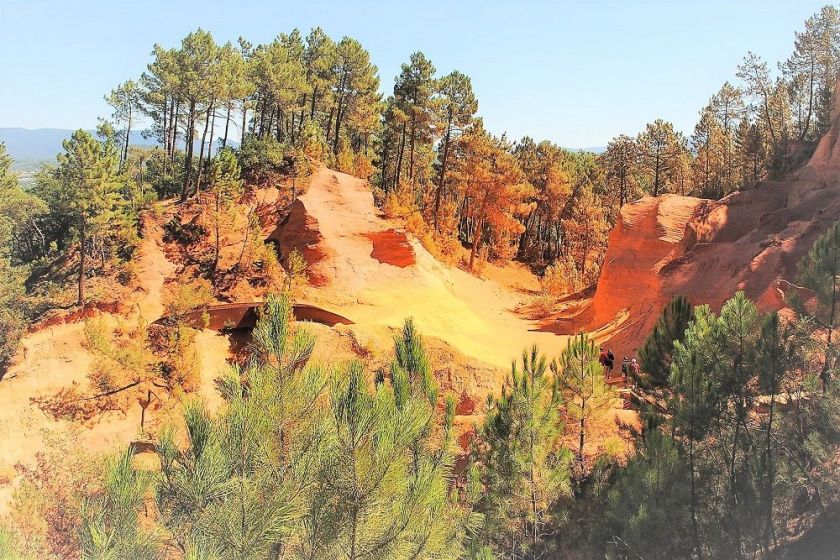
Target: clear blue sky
column 577, row 73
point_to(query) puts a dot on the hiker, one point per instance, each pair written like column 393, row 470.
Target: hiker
column 625, row 367
column 602, row 359
column 610, row 362
column 634, row 368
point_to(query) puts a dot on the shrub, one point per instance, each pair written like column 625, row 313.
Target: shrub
column 47, row 508
column 180, row 299
column 562, row 278
column 186, row 233
column 267, row 162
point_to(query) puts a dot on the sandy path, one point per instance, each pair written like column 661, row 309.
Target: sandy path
column 474, row 315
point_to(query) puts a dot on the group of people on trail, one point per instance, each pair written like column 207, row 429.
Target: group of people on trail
column 628, row 366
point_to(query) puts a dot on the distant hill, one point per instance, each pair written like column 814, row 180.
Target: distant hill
column 30, row 148
column 593, row 149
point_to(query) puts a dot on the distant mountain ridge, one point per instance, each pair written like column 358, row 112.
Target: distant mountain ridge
column 30, row 148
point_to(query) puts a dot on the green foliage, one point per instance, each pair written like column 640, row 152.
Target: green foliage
column 647, row 510
column 657, row 352
column 87, row 204
column 585, row 391
column 265, row 161
column 691, row 378
column 523, row 469
column 111, row 527
column 9, row 547
column 310, row 461
column 819, row 272
column 21, row 241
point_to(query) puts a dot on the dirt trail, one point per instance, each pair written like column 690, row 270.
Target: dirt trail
column 155, row 268
column 473, row 315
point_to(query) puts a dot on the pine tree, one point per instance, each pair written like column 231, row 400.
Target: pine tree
column 87, row 176
column 523, row 468
column 657, row 352
column 733, row 364
column 727, row 105
column 413, row 91
column 354, row 90
column 695, row 403
column 225, row 190
column 111, row 527
column 620, row 166
column 241, row 484
column 812, row 70
column 457, row 106
column 659, row 149
column 776, row 355
column 819, row 271
column 489, row 176
column 648, row 500
column 585, row 391
column 307, row 463
column 196, row 67
column 21, row 240
column 125, row 99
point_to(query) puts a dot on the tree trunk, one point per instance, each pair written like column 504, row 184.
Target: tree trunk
column 174, row 143
column 354, row 521
column 301, row 115
column 338, row 115
column 244, row 120
column 312, row 106
column 384, row 163
column 400, row 158
column 442, row 168
column 164, row 132
column 695, row 532
column 770, row 474
column 227, row 126
column 656, row 176
column 127, row 137
column 212, row 133
column 200, row 171
column 329, row 124
column 581, row 437
column 185, row 188
column 479, row 223
column 82, row 243
column 411, row 151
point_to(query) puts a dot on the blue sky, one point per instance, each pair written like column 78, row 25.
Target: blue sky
column 577, row 73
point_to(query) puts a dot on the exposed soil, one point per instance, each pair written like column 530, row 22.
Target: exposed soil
column 392, row 247
column 708, row 250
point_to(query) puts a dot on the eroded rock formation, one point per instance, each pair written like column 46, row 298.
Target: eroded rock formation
column 707, row 250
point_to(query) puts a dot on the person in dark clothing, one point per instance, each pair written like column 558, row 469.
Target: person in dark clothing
column 610, row 362
column 602, row 359
column 625, row 367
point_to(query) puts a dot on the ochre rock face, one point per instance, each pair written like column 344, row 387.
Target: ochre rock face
column 300, row 233
column 708, row 250
column 392, row 247
column 645, row 238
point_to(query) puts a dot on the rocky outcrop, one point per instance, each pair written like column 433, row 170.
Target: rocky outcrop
column 707, row 250
column 646, row 239
column 300, row 232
